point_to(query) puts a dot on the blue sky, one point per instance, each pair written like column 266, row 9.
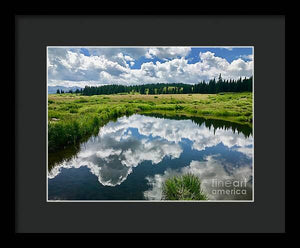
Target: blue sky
column 193, row 57
column 80, row 66
column 229, row 55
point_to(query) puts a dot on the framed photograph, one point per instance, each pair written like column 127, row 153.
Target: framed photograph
column 133, row 121
column 150, row 123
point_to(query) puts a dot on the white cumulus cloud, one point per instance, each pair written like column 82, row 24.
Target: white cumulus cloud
column 113, row 66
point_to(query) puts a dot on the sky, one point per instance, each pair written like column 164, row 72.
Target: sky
column 96, row 66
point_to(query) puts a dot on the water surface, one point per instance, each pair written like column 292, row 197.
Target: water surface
column 131, row 157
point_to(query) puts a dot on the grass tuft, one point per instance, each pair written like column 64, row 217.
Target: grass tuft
column 184, row 187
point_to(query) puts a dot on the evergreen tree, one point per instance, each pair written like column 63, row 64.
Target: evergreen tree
column 203, row 87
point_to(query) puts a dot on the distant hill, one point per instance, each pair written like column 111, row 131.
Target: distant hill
column 53, row 89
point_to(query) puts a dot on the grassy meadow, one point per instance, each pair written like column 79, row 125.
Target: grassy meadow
column 73, row 117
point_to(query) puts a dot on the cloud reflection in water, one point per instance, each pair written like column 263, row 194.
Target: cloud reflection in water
column 122, row 145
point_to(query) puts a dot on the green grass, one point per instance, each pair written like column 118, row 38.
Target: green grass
column 68, row 126
column 72, row 118
column 184, row 187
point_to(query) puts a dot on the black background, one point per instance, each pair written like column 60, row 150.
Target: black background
column 34, row 33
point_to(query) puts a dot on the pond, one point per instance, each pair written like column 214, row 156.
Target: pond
column 131, row 157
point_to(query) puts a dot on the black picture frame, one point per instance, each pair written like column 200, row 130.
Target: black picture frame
column 32, row 33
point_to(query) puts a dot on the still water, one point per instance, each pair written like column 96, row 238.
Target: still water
column 131, row 157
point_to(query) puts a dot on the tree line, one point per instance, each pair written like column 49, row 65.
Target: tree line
column 77, row 91
column 212, row 87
